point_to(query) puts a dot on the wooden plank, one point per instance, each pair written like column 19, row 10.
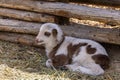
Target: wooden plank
column 27, row 16
column 65, row 10
column 107, row 35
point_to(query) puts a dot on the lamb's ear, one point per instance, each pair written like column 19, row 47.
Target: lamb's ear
column 54, row 32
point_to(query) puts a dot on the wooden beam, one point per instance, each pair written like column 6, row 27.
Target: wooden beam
column 25, row 15
column 108, row 35
column 65, row 10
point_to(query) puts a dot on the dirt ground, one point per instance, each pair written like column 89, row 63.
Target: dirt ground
column 20, row 62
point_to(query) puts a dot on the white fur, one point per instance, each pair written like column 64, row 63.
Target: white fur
column 49, row 42
column 82, row 63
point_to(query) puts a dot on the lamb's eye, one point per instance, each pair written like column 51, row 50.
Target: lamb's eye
column 47, row 34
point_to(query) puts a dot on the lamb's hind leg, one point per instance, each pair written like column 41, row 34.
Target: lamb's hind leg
column 90, row 69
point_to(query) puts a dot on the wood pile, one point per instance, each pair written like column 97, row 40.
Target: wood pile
column 20, row 20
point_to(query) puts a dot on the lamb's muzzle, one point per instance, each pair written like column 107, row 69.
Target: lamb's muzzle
column 37, row 41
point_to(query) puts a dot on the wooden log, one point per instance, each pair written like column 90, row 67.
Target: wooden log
column 65, row 10
column 19, row 26
column 108, row 35
column 56, row 0
column 19, row 38
column 27, row 16
column 114, row 3
column 59, row 19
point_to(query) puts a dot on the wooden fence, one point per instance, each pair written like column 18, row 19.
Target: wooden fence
column 20, row 20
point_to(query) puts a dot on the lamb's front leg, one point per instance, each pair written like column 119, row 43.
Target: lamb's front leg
column 49, row 63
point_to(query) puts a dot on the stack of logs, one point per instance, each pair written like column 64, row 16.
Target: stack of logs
column 20, row 20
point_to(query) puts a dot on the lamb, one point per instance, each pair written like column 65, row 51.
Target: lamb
column 80, row 55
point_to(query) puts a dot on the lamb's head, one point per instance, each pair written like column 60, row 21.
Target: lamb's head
column 49, row 35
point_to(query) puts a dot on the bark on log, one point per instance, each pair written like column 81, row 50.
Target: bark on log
column 65, row 10
column 19, row 26
column 19, row 38
column 82, row 31
column 27, row 16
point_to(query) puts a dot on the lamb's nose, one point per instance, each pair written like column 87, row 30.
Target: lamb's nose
column 36, row 40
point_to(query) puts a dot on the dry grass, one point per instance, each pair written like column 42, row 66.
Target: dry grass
column 97, row 6
column 94, row 23
column 19, row 62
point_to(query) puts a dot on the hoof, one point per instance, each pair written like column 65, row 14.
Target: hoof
column 63, row 68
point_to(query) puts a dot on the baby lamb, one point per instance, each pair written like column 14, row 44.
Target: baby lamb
column 81, row 55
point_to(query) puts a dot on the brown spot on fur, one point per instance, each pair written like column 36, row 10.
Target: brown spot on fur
column 90, row 50
column 102, row 60
column 74, row 49
column 54, row 32
column 53, row 52
column 59, row 60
